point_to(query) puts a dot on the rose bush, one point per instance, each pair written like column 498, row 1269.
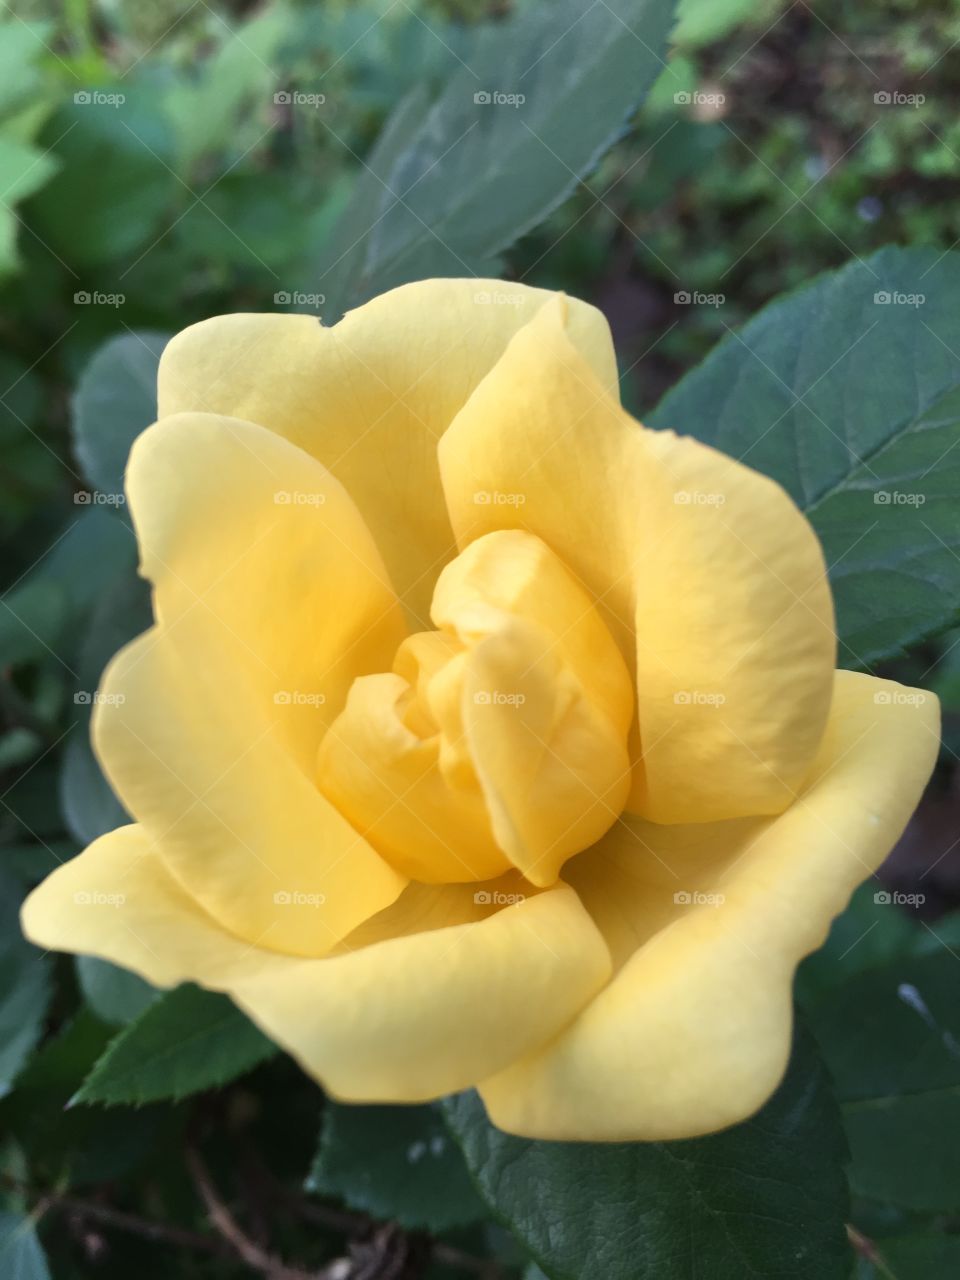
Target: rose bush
column 483, row 736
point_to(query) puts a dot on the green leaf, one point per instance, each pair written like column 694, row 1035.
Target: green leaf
column 398, row 1163
column 89, row 806
column 915, row 1257
column 24, row 987
column 703, row 21
column 32, row 619
column 21, row 1254
column 23, row 170
column 115, row 184
column 477, row 172
column 186, row 1041
column 766, row 1198
column 40, row 613
column 891, row 1039
column 115, row 995
column 876, row 928
column 228, row 96
column 116, row 399
column 853, row 405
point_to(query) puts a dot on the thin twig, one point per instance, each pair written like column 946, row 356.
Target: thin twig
column 148, row 1229
column 226, row 1225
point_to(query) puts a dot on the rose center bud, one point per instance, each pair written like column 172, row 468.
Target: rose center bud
column 498, row 740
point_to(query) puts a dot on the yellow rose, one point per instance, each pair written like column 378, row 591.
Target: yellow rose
column 483, row 737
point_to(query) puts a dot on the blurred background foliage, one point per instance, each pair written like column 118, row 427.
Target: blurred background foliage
column 762, row 155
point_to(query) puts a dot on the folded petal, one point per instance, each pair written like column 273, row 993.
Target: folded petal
column 445, row 987
column 707, row 924
column 707, row 576
column 370, row 396
column 209, row 725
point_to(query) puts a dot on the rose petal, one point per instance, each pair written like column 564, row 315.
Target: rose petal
column 694, row 1031
column 371, row 396
column 440, row 991
column 209, row 725
column 722, row 608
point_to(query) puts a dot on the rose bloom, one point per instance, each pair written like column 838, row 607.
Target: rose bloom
column 483, row 737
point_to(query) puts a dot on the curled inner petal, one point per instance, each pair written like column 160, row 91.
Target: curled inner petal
column 498, row 740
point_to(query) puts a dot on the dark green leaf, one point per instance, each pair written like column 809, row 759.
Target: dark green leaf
column 853, row 405
column 21, row 1255
column 398, row 1163
column 89, row 806
column 877, row 927
column 186, row 1041
column 915, row 1258
column 766, row 1198
column 113, row 994
column 476, row 171
column 115, row 184
column 115, row 400
column 24, row 987
column 891, row 1039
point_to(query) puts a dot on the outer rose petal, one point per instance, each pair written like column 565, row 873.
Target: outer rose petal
column 726, row 606
column 211, row 722
column 371, row 396
column 438, row 993
column 694, row 1031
